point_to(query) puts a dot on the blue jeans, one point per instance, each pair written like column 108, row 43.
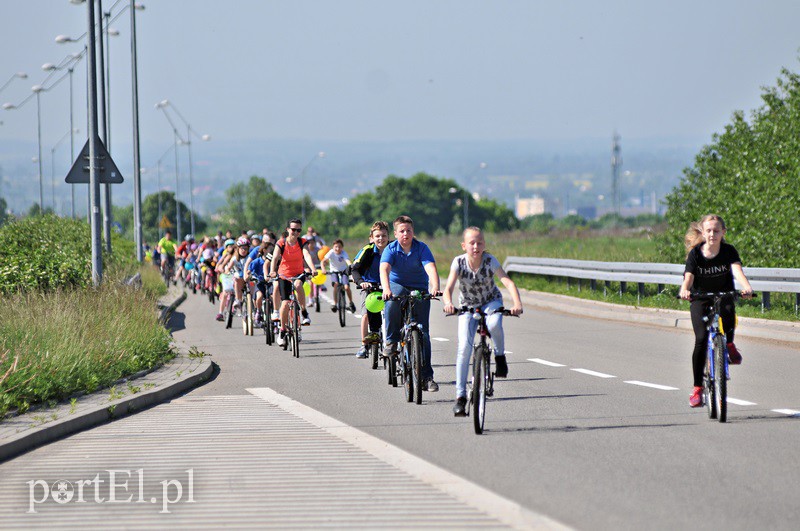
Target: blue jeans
column 467, row 326
column 394, row 322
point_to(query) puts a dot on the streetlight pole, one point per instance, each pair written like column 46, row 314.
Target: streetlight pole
column 137, row 176
column 21, row 75
column 177, row 184
column 38, row 89
column 94, row 181
column 107, row 214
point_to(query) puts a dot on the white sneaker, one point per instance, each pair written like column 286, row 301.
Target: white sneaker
column 306, row 321
column 281, row 338
column 237, row 305
column 275, row 316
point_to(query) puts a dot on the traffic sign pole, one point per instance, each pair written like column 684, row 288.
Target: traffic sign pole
column 94, row 181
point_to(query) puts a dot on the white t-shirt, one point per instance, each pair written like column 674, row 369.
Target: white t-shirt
column 476, row 288
column 338, row 262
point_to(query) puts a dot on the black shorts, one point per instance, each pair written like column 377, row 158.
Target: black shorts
column 285, row 288
column 264, row 287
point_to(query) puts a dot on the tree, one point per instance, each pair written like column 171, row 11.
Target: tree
column 256, row 204
column 151, row 220
column 748, row 175
column 4, row 216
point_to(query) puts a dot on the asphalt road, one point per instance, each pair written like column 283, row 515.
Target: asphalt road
column 581, row 435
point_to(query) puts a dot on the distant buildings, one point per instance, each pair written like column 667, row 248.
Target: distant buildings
column 530, row 206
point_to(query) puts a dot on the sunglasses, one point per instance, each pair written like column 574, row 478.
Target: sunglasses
column 295, row 230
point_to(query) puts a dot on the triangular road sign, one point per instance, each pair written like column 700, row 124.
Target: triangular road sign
column 107, row 172
column 164, row 223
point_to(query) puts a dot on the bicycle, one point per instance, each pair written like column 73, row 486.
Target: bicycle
column 293, row 332
column 314, row 294
column 167, row 269
column 247, row 308
column 716, row 375
column 408, row 368
column 482, row 384
column 266, row 310
column 373, row 341
column 341, row 295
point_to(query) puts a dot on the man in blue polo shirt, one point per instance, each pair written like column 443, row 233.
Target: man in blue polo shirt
column 407, row 264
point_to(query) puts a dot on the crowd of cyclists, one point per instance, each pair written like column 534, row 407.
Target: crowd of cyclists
column 264, row 265
column 261, row 264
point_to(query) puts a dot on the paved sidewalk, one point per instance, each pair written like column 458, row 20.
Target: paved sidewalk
column 47, row 424
column 782, row 331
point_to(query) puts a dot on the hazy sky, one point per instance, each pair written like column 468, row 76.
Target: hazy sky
column 412, row 69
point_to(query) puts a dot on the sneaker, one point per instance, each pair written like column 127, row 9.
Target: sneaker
column 734, row 356
column 220, row 317
column 430, row 386
column 351, row 307
column 275, row 316
column 362, row 353
column 501, row 367
column 306, row 321
column 390, row 349
column 334, row 309
column 460, row 409
column 696, row 400
column 282, row 338
column 237, row 305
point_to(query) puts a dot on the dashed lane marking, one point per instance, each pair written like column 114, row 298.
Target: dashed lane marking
column 740, row 402
column 443, row 339
column 790, row 412
column 651, row 385
column 593, row 373
column 545, row 362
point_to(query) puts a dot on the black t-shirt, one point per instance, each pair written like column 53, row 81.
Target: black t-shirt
column 712, row 274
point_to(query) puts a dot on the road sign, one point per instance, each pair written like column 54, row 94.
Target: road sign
column 164, row 223
column 107, row 172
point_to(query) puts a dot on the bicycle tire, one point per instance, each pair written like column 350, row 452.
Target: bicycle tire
column 295, row 329
column 342, row 307
column 708, row 388
column 229, row 312
column 374, row 353
column 720, row 379
column 416, row 364
column 269, row 328
column 390, row 363
column 249, row 310
column 317, row 304
column 478, row 390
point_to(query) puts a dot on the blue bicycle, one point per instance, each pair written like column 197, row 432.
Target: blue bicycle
column 716, row 375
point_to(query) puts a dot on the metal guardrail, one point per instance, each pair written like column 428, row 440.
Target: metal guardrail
column 765, row 280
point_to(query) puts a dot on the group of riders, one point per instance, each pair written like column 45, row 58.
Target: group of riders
column 271, row 266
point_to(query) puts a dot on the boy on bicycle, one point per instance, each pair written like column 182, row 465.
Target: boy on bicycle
column 292, row 254
column 475, row 271
column 365, row 271
column 407, row 264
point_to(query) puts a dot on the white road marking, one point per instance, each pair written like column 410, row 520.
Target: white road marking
column 507, row 352
column 440, row 339
column 545, row 362
column 503, row 509
column 654, row 386
column 593, row 373
column 790, row 412
column 740, row 402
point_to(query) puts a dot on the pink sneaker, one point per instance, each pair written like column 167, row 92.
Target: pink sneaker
column 696, row 400
column 734, row 356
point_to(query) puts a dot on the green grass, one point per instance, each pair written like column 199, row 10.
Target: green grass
column 57, row 343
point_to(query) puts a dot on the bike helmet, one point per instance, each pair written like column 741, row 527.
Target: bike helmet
column 229, row 242
column 242, row 241
column 189, row 238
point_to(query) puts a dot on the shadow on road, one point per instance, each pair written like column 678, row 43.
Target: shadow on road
column 177, row 322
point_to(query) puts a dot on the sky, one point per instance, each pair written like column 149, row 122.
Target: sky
column 318, row 73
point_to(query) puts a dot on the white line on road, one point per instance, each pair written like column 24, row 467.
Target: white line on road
column 654, row 386
column 440, row 339
column 593, row 373
column 740, row 402
column 503, row 509
column 545, row 362
column 790, row 412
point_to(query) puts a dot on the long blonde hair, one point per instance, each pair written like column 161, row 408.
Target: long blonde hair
column 694, row 236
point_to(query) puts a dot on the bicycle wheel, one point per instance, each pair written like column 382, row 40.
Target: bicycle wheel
column 229, row 311
column 708, row 388
column 405, row 374
column 416, row 364
column 295, row 325
column 720, row 379
column 249, row 311
column 342, row 306
column 269, row 328
column 478, row 389
column 374, row 353
column 316, row 298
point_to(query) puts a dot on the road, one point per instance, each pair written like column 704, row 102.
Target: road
column 592, row 428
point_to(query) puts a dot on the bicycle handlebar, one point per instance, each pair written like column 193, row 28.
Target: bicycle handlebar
column 416, row 294
column 706, row 295
column 466, row 309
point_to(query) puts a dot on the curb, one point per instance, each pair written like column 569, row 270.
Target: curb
column 112, row 410
column 750, row 327
column 165, row 313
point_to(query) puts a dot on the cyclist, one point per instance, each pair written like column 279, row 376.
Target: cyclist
column 365, row 270
column 407, row 264
column 291, row 252
column 166, row 249
column 475, row 271
column 182, row 253
column 235, row 267
column 225, row 279
column 338, row 262
column 257, row 269
column 711, row 265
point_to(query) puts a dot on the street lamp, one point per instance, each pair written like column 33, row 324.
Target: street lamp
column 21, row 75
column 320, row 155
column 163, row 104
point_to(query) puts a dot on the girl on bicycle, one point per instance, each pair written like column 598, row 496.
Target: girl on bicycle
column 225, row 279
column 475, row 271
column 711, row 266
column 338, row 261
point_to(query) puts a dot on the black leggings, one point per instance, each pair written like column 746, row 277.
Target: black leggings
column 698, row 310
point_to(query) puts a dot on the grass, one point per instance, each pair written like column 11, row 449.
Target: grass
column 58, row 343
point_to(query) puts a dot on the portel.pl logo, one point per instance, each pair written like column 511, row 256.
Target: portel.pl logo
column 118, row 486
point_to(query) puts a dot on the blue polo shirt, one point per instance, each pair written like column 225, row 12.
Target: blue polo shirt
column 253, row 254
column 408, row 270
